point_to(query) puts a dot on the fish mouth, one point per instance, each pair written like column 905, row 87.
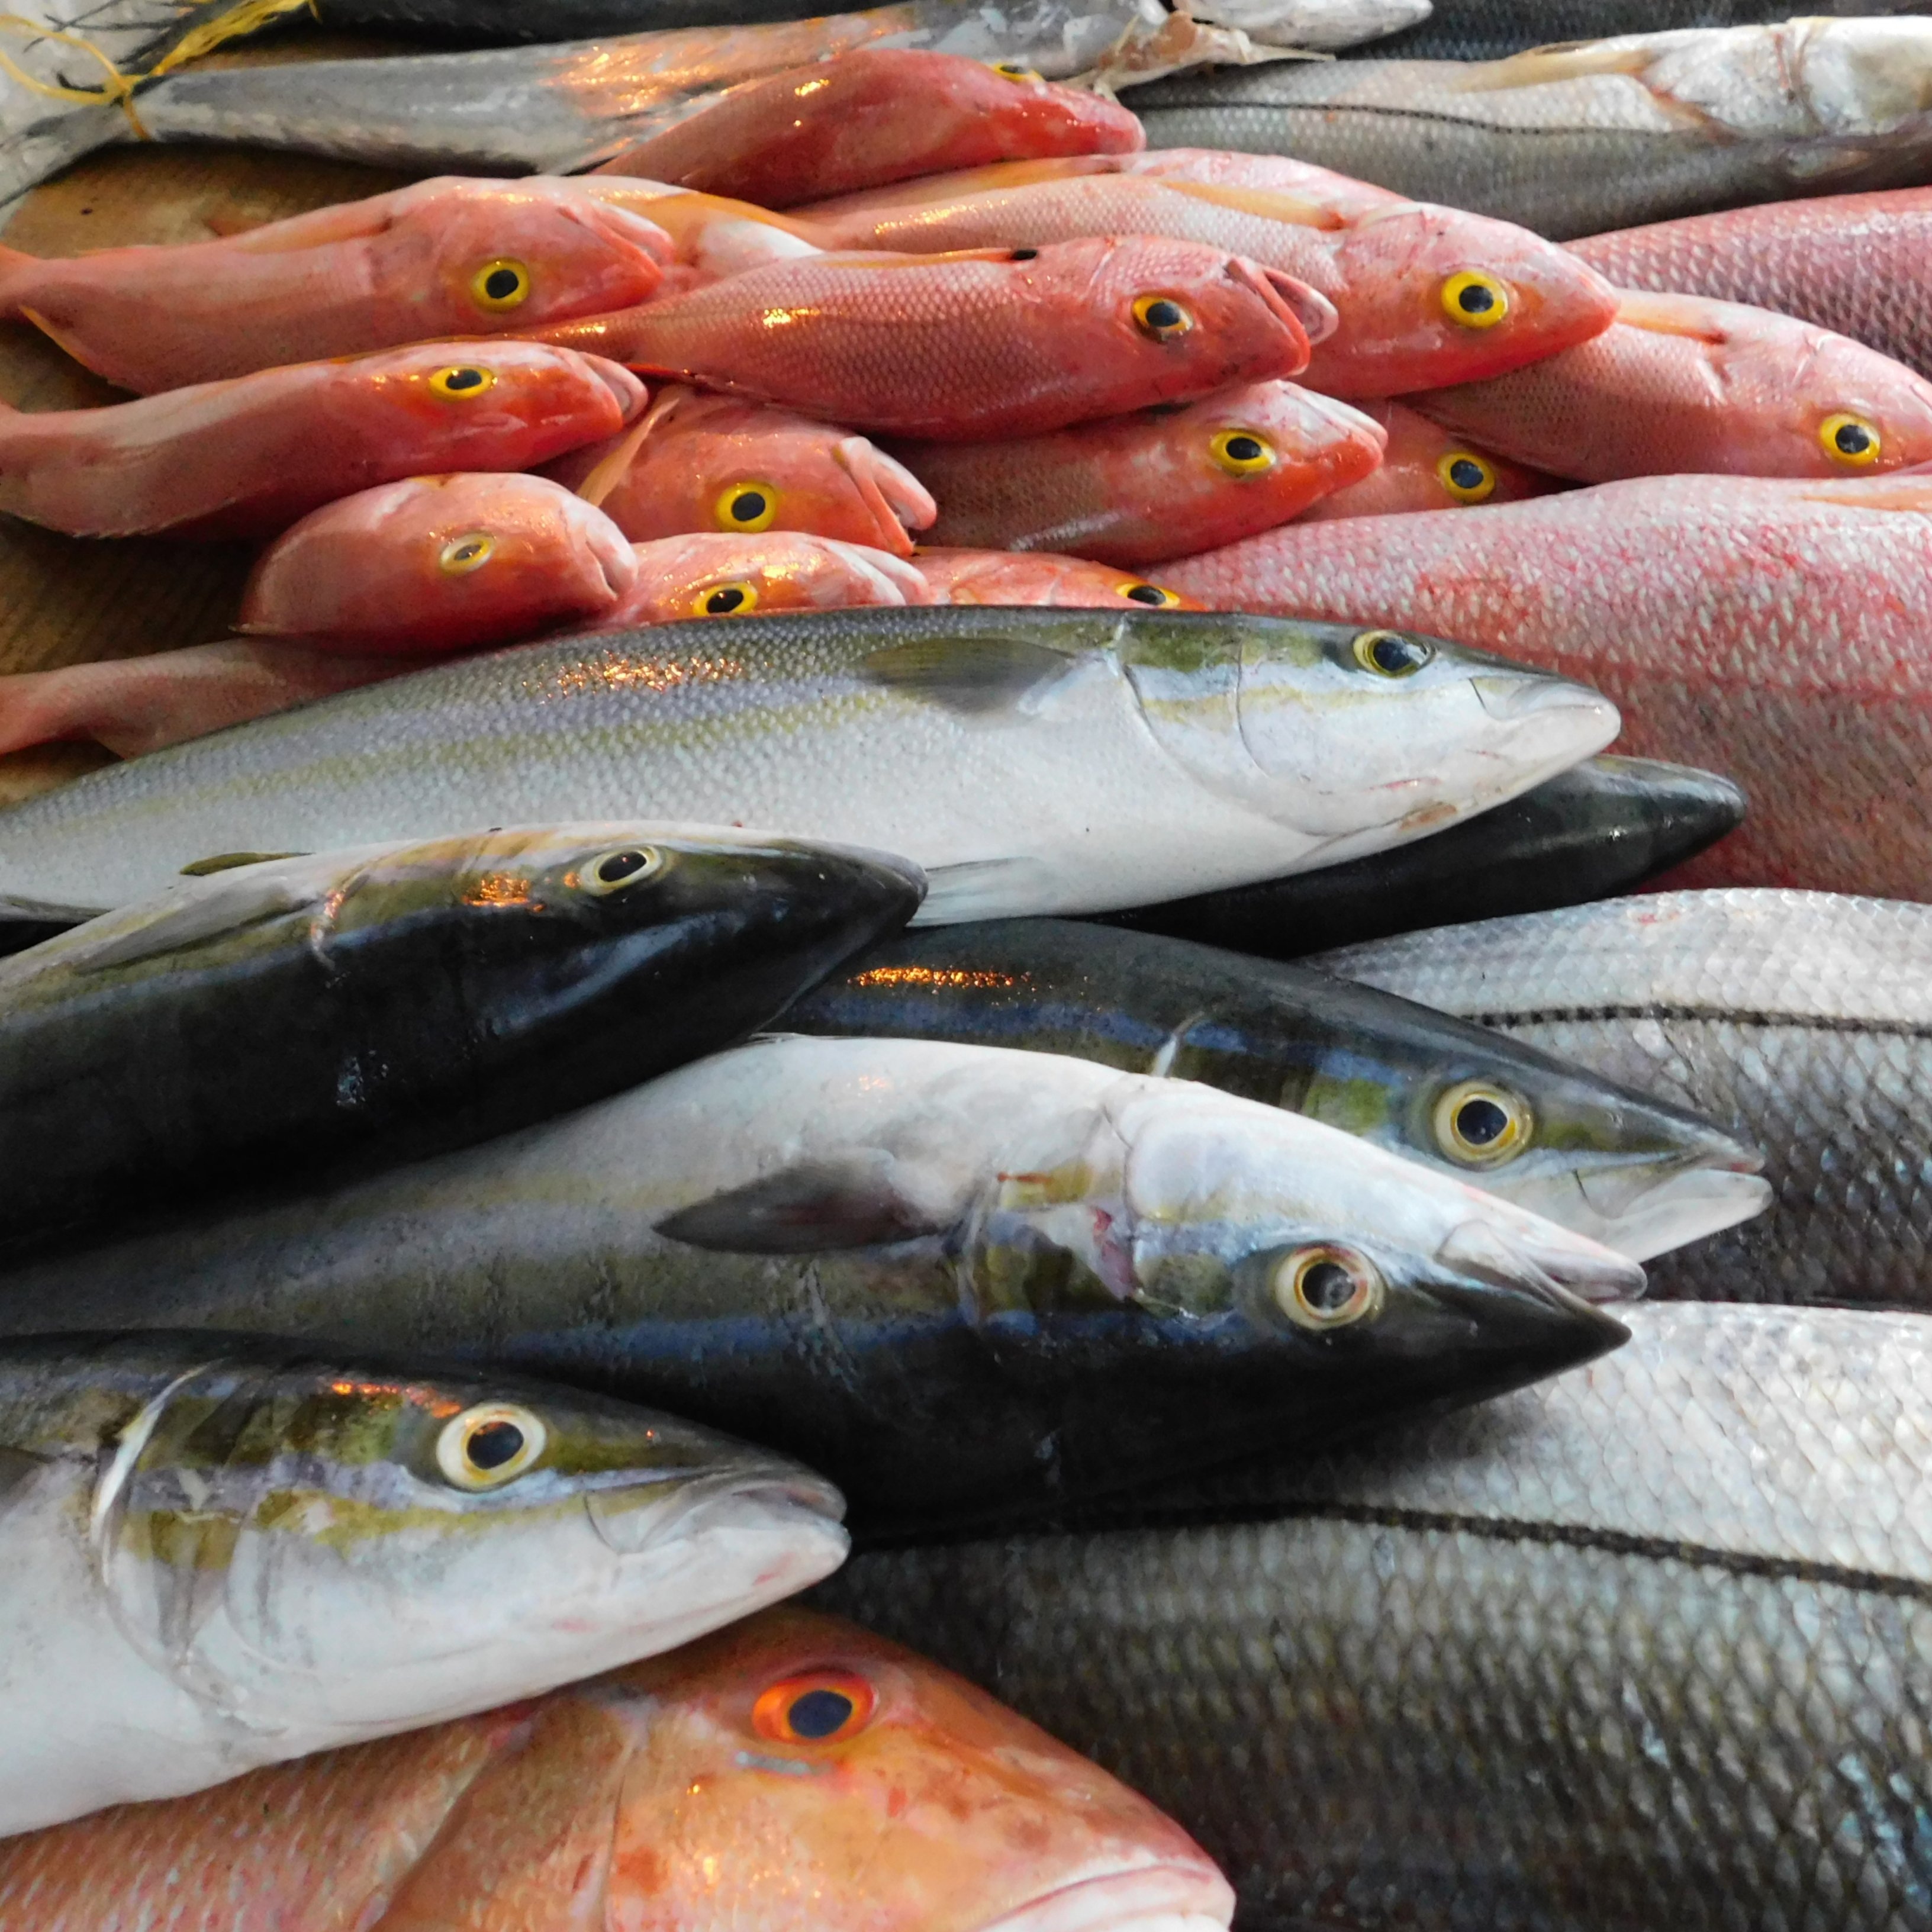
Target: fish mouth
column 1530, row 695
column 899, row 503
column 1683, row 1206
column 631, row 394
column 631, row 1522
column 1311, row 313
column 1146, row 1898
column 1571, row 1266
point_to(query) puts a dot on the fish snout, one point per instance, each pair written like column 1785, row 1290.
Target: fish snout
column 1306, row 310
column 628, row 390
column 1649, row 1208
column 898, row 500
column 773, row 1497
column 1193, row 1897
column 1570, row 720
column 1538, row 1256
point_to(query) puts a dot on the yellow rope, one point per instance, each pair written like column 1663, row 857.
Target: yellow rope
column 204, row 39
column 116, row 91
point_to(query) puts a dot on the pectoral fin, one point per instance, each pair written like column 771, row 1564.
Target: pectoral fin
column 211, row 912
column 808, row 1209
column 978, row 676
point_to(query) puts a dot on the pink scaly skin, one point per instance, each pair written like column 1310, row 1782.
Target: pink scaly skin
column 247, row 456
column 1680, row 384
column 989, row 343
column 1134, row 490
column 877, row 114
column 1425, row 467
column 445, row 257
column 1772, row 631
column 713, row 575
column 438, row 564
column 711, row 236
column 1035, row 577
column 711, row 462
column 1401, row 274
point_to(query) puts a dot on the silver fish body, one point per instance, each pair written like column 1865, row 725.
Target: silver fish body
column 1649, row 1644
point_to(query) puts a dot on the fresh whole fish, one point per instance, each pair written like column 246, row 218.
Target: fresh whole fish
column 1571, row 140
column 249, row 456
column 1132, row 490
column 999, row 577
column 715, row 575
column 963, row 1282
column 1773, row 631
column 1602, row 1159
column 711, row 236
column 225, row 1552
column 1797, row 1018
column 1037, row 760
column 1603, row 827
column 444, row 258
column 1425, row 467
column 803, row 1749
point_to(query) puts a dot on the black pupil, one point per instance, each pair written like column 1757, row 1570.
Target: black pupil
column 1466, row 473
column 495, row 1443
column 819, row 1713
column 1243, row 449
column 1854, row 439
column 1481, row 1122
column 722, row 603
column 748, row 505
column 1026, row 254
column 1163, row 315
column 1476, row 300
column 620, row 865
column 1394, row 654
column 465, row 379
column 501, row 283
column 1327, row 1286
column 1147, row 593
column 464, row 552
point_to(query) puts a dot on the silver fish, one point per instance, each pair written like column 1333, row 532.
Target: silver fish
column 1647, row 1645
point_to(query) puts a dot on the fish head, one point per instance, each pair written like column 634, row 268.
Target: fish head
column 794, row 1758
column 1851, row 411
column 1273, row 441
column 1426, row 467
column 457, row 385
column 1039, row 577
column 294, row 1538
column 1433, row 296
column 714, row 235
column 712, row 576
column 1356, row 737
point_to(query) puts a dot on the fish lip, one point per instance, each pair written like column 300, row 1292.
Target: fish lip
column 1529, row 694
column 1170, row 1896
column 1688, row 1204
column 779, row 1496
column 1576, row 1269
column 631, row 394
column 1309, row 312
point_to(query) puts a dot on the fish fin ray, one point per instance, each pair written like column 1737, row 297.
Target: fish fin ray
column 976, row 676
column 810, row 1208
column 232, row 905
column 981, row 889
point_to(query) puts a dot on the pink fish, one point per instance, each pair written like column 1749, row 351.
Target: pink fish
column 1773, row 631
column 715, row 575
column 1035, row 577
column 874, row 115
column 445, row 257
column 712, row 463
column 711, row 236
column 1680, row 384
column 990, row 343
column 245, row 458
column 1419, row 292
column 438, row 564
column 1132, row 490
column 1425, row 467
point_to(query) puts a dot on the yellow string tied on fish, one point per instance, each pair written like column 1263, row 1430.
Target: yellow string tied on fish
column 248, row 18
column 116, row 91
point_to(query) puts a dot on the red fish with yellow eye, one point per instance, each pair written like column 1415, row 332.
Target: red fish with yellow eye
column 1134, row 490
column 1426, row 467
column 1038, row 577
column 712, row 463
column 744, row 1781
column 446, row 257
column 712, row 575
column 873, row 115
column 246, row 458
column 994, row 342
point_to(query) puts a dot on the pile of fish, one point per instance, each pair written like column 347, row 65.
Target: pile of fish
column 906, row 848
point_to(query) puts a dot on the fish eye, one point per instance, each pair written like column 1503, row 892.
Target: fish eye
column 629, row 866
column 1466, row 476
column 1024, row 255
column 1482, row 1125
column 1242, row 453
column 501, row 284
column 819, row 1707
column 1014, row 70
column 1153, row 595
column 490, row 1445
column 726, row 600
column 1850, row 440
column 1473, row 300
column 462, row 554
column 1390, row 654
column 464, row 380
column 1327, row 1287
column 1162, row 317
column 746, row 506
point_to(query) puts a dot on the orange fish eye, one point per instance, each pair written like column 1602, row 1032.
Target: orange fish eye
column 1162, row 317
column 1014, row 70
column 501, row 284
column 1241, row 452
column 462, row 554
column 466, row 379
column 746, row 506
column 1465, row 475
column 1153, row 595
column 820, row 1707
column 726, row 600
column 1849, row 438
column 1473, row 300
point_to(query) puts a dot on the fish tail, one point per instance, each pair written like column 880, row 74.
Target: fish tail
column 29, row 154
column 39, row 707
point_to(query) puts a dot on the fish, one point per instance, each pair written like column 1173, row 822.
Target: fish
column 249, row 456
column 435, row 564
column 1418, row 291
column 1680, row 384
column 225, row 1552
column 982, row 344
column 1600, row 1158
column 1646, row 1644
column 1571, row 140
column 739, row 1781
column 1133, row 490
column 1033, row 760
column 712, row 574
column 1769, row 629
column 1796, row 1018
column 873, row 115
column 259, row 1019
column 711, row 235
column 1602, row 828
column 998, row 577
column 712, row 463
column 1852, row 263
column 962, row 1281
column 1424, row 467
column 443, row 258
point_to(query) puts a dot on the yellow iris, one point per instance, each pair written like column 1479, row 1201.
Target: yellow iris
column 1850, row 440
column 463, row 381
column 1466, row 476
column 462, row 554
column 1473, row 300
column 1162, row 317
column 746, row 506
column 1242, row 453
column 726, row 600
column 501, row 284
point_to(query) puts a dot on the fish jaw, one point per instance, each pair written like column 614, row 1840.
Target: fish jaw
column 900, row 503
column 1147, row 1898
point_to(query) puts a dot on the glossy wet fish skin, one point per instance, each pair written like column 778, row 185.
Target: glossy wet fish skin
column 999, row 577
column 1425, row 467
column 1796, row 1018
column 716, row 576
column 1605, row 1161
column 712, row 235
column 1646, row 1644
column 1768, row 629
column 1039, row 760
column 248, row 457
column 263, row 1021
column 1573, row 141
column 237, row 1551
column 1601, row 828
column 960, row 1281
